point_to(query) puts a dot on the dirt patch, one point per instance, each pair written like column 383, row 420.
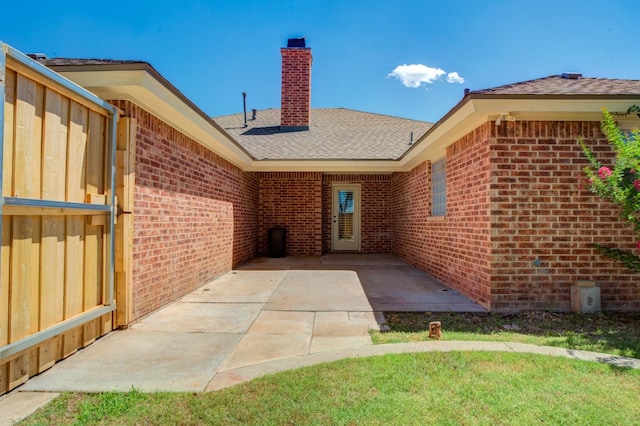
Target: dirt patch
column 529, row 322
column 613, row 332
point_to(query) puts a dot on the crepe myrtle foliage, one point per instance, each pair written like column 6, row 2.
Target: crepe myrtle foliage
column 618, row 183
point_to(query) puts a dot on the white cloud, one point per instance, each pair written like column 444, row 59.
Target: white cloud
column 454, row 77
column 415, row 75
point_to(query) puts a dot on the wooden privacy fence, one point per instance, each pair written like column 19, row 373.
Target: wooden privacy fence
column 58, row 148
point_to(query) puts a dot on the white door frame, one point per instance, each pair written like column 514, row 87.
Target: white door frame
column 336, row 243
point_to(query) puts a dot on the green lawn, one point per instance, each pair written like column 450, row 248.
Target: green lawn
column 458, row 388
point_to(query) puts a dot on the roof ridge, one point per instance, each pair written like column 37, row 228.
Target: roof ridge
column 376, row 113
column 335, row 109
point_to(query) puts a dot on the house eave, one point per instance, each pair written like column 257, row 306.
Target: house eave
column 474, row 110
column 142, row 85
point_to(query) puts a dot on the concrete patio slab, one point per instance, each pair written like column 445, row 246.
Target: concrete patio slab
column 258, row 348
column 148, row 361
column 279, row 322
column 342, row 324
column 228, row 318
column 281, row 263
column 407, row 289
column 239, row 286
column 327, row 290
column 340, row 330
column 334, row 343
column 356, row 259
column 17, row 405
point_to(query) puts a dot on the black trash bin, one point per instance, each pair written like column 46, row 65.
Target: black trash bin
column 277, row 242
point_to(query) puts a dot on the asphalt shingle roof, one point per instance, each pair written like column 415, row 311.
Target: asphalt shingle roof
column 559, row 85
column 334, row 134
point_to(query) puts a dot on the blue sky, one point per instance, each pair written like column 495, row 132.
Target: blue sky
column 212, row 51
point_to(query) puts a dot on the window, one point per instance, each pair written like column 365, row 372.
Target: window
column 439, row 188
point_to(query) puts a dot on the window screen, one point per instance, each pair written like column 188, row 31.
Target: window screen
column 439, row 188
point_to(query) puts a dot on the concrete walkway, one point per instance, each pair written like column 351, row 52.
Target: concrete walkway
column 267, row 316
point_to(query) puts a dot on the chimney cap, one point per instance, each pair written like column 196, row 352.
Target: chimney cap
column 296, row 42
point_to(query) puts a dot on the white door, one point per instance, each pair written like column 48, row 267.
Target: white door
column 345, row 227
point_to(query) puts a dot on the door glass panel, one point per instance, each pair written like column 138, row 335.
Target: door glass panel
column 345, row 216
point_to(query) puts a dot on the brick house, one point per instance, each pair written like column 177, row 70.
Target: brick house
column 486, row 199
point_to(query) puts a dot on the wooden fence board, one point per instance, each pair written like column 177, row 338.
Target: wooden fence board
column 27, row 149
column 9, row 125
column 93, row 258
column 125, row 186
column 19, row 370
column 21, row 270
column 5, row 304
column 56, row 127
column 24, row 276
column 76, row 153
column 71, row 342
column 49, row 353
column 4, row 378
column 93, row 267
column 52, row 271
column 124, row 269
column 7, row 190
column 76, row 181
column 96, row 154
column 54, row 155
column 74, row 263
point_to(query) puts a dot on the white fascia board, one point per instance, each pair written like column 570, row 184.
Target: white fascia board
column 553, row 108
column 142, row 89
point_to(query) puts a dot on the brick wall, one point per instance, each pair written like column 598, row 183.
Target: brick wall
column 456, row 249
column 375, row 222
column 195, row 214
column 519, row 231
column 544, row 226
column 296, row 87
column 292, row 201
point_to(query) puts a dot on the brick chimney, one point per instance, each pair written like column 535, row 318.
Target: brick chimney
column 295, row 112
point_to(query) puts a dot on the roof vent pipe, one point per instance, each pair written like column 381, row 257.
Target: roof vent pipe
column 37, row 56
column 466, row 92
column 244, row 105
column 254, row 112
